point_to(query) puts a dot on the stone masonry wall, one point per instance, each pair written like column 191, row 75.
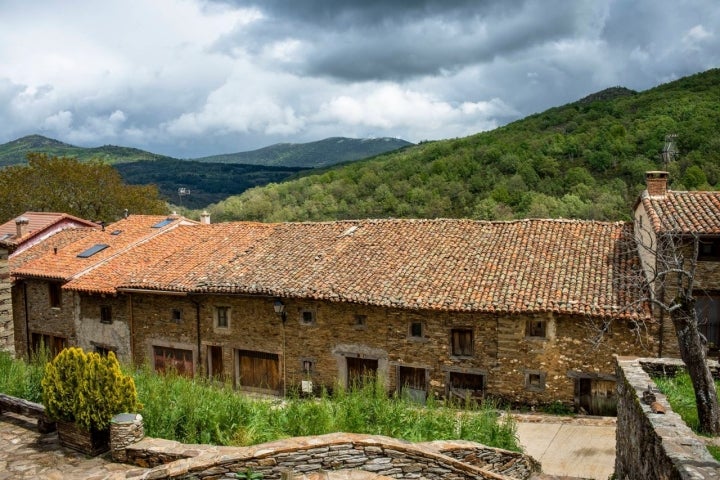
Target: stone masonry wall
column 380, row 455
column 7, row 336
column 651, row 445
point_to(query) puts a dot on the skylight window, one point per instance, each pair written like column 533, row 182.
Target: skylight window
column 6, row 236
column 92, row 250
column 116, row 232
column 162, row 223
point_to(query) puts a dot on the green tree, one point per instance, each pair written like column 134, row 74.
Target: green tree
column 92, row 190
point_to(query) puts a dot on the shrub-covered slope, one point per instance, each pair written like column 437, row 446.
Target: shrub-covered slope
column 582, row 160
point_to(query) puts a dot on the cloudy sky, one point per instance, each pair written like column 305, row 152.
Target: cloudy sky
column 190, row 78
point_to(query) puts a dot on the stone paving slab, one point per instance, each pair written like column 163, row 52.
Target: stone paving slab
column 27, row 454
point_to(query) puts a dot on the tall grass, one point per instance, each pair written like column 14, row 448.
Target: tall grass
column 193, row 411
column 198, row 411
column 21, row 379
column 681, row 396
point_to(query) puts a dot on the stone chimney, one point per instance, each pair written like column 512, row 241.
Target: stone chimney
column 656, row 182
column 21, row 225
column 205, row 218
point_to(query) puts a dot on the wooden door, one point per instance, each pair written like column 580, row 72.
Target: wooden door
column 596, row 397
column 259, row 370
column 413, row 383
column 360, row 371
column 215, row 361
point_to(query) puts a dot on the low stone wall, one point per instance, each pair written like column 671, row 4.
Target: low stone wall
column 29, row 409
column 653, row 445
column 380, row 455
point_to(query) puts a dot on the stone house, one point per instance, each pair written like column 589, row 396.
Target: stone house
column 436, row 307
column 686, row 226
column 17, row 235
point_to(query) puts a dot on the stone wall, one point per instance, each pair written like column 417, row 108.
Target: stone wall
column 7, row 336
column 651, row 445
column 512, row 365
column 380, row 455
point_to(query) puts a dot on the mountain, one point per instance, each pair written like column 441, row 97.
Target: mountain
column 329, row 151
column 586, row 159
column 15, row 152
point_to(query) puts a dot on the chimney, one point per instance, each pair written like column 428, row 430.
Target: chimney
column 205, row 218
column 21, row 224
column 656, row 182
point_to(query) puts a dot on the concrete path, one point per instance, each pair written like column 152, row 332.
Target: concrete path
column 582, row 447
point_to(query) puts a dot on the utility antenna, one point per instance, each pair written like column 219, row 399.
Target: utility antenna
column 182, row 192
column 669, row 151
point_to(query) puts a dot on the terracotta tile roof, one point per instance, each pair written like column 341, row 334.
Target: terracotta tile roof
column 43, row 261
column 684, row 212
column 177, row 261
column 563, row 266
column 38, row 222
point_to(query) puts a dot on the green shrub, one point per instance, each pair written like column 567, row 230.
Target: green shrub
column 87, row 389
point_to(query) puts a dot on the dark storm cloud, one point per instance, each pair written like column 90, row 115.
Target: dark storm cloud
column 398, row 40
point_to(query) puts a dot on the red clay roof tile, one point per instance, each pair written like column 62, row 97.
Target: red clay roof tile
column 563, row 266
column 684, row 212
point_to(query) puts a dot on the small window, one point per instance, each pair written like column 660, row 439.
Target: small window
column 308, row 367
column 222, row 317
column 162, row 223
column 462, row 342
column 92, row 250
column 709, row 249
column 105, row 314
column 116, row 232
column 176, row 315
column 536, row 328
column 416, row 330
column 103, row 350
column 307, row 317
column 55, row 294
column 535, row 381
column 360, row 321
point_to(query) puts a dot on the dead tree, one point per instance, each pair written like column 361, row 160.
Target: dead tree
column 669, row 263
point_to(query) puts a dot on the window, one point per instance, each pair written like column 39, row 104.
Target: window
column 105, row 314
column 162, row 223
column 307, row 317
column 92, row 250
column 360, row 321
column 103, row 350
column 708, row 312
column 536, row 328
column 176, row 315
column 54, row 293
column 222, row 317
column 709, row 249
column 50, row 342
column 466, row 385
column 534, row 381
column 416, row 330
column 308, row 367
column 462, row 342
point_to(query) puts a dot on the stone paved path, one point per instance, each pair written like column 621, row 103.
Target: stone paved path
column 27, row 454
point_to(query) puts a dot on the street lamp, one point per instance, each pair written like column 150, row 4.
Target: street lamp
column 280, row 309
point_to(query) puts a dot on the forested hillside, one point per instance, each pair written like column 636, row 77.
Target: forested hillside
column 16, row 151
column 582, row 160
column 322, row 153
column 205, row 182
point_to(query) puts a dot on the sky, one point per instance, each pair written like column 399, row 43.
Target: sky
column 191, row 78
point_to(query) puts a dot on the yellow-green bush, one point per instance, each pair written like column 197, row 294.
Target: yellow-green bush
column 88, row 389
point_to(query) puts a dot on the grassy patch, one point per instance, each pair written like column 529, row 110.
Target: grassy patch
column 21, row 379
column 195, row 411
column 681, row 396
